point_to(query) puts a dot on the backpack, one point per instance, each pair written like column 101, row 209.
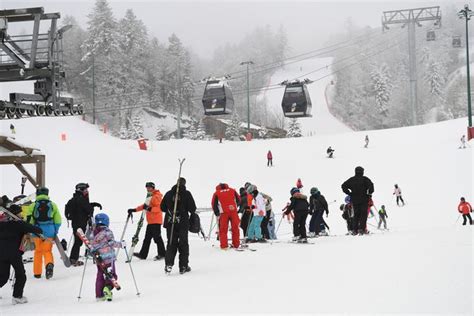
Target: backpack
column 43, row 212
column 194, row 223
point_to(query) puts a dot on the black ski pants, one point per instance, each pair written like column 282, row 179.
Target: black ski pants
column 270, row 162
column 360, row 216
column 245, row 221
column 299, row 224
column 179, row 242
column 465, row 217
column 16, row 262
column 153, row 231
column 400, row 199
column 77, row 242
column 264, row 228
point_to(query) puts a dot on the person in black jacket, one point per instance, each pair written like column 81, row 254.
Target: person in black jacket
column 11, row 234
column 317, row 206
column 360, row 189
column 79, row 211
column 300, row 206
column 244, row 208
column 177, row 232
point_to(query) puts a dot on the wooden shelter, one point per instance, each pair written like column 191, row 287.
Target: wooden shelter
column 13, row 153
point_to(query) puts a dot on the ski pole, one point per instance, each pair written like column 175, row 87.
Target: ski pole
column 211, row 227
column 82, row 279
column 70, row 240
column 457, row 219
column 123, row 234
column 131, row 271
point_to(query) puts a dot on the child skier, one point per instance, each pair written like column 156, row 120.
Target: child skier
column 465, row 208
column 348, row 214
column 382, row 216
column 317, row 206
column 104, row 243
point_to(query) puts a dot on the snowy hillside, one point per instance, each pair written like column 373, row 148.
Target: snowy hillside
column 424, row 264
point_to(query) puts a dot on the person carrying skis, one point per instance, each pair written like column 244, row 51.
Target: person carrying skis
column 154, row 218
column 177, row 231
column 382, row 217
column 269, row 159
column 103, row 244
column 300, row 206
column 330, row 152
column 11, row 235
column 44, row 213
column 224, row 204
column 79, row 211
column 317, row 206
column 465, row 208
column 348, row 214
column 366, row 141
column 398, row 193
column 258, row 209
column 360, row 189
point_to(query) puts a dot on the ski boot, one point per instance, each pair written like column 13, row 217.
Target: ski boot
column 137, row 254
column 49, row 271
column 158, row 257
column 19, row 300
column 302, row 240
column 295, row 238
column 77, row 263
column 184, row 269
column 107, row 294
column 168, row 269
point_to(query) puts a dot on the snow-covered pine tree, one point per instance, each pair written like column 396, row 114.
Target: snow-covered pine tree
column 136, row 127
column 382, row 86
column 233, row 130
column 124, row 132
column 294, row 129
column 161, row 133
column 192, row 130
column 263, row 132
column 201, row 130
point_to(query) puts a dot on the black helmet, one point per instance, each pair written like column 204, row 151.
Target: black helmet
column 82, row 186
column 149, row 185
column 42, row 191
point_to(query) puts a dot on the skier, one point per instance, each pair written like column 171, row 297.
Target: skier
column 45, row 214
column 330, row 152
column 398, row 193
column 244, row 208
column 465, row 208
column 177, row 231
column 258, row 208
column 104, row 243
column 154, row 218
column 11, row 234
column 300, row 206
column 269, row 159
column 79, row 211
column 12, row 129
column 348, row 214
column 366, row 141
column 317, row 206
column 360, row 189
column 224, row 204
column 463, row 141
column 266, row 218
column 382, row 217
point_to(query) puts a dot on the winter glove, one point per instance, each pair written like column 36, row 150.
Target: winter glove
column 123, row 244
column 95, row 204
column 131, row 211
column 270, row 222
column 252, row 207
column 147, row 207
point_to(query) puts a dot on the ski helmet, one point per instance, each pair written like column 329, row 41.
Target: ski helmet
column 150, row 185
column 42, row 191
column 348, row 199
column 102, row 219
column 82, row 187
column 251, row 188
column 294, row 190
column 314, row 190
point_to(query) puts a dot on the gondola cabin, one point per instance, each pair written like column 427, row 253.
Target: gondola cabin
column 296, row 100
column 456, row 41
column 430, row 36
column 217, row 98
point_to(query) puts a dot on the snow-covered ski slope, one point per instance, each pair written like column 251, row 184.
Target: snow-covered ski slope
column 321, row 122
column 423, row 265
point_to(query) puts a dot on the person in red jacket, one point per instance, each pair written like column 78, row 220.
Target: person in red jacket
column 154, row 218
column 465, row 208
column 269, row 159
column 224, row 204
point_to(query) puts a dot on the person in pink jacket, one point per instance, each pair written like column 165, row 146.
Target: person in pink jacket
column 465, row 208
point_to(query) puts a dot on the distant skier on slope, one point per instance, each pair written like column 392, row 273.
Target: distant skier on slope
column 330, row 152
column 300, row 206
column 398, row 193
column 269, row 159
column 465, row 208
column 366, row 141
column 382, row 217
column 463, row 142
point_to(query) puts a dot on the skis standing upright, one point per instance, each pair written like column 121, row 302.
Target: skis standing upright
column 135, row 237
column 175, row 206
column 98, row 259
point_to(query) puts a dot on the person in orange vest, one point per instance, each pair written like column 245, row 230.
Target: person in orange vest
column 269, row 159
column 154, row 218
column 224, row 204
column 465, row 208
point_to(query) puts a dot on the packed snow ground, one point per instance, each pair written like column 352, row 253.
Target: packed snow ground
column 423, row 265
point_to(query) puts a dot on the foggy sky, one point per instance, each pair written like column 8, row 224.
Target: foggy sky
column 205, row 25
